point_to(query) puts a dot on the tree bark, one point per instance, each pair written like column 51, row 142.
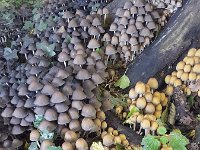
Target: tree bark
column 116, row 123
column 181, row 33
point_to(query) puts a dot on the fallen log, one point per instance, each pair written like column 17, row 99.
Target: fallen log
column 116, row 123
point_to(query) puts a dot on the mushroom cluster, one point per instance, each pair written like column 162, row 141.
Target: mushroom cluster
column 186, row 75
column 59, row 75
column 171, row 5
column 133, row 28
column 149, row 103
column 111, row 137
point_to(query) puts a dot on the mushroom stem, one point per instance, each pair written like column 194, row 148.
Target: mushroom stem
column 65, row 64
column 153, row 132
column 68, row 20
column 38, row 144
column 105, row 15
column 146, row 131
column 139, row 130
column 134, row 126
column 26, row 56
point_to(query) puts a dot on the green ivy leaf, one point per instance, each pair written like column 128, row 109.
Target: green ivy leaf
column 119, row 147
column 28, row 25
column 45, row 134
column 33, row 146
column 161, row 130
column 177, row 141
column 123, row 82
column 10, row 54
column 36, row 17
column 48, row 49
column 54, row 148
column 42, row 26
column 38, row 120
column 149, row 142
column 164, row 140
column 133, row 110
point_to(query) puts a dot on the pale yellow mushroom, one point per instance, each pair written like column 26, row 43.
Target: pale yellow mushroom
column 192, row 52
column 180, row 65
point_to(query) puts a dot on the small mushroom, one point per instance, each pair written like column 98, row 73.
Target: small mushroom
column 145, row 124
column 81, row 144
column 108, row 140
column 70, row 136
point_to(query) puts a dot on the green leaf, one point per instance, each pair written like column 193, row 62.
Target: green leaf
column 33, row 146
column 177, row 141
column 133, row 110
column 38, row 120
column 45, row 134
column 164, row 115
column 48, row 49
column 149, row 142
column 10, row 54
column 36, row 17
column 97, row 146
column 54, row 148
column 123, row 82
column 164, row 140
column 161, row 130
column 119, row 147
column 190, row 100
column 28, row 25
column 118, row 101
column 42, row 26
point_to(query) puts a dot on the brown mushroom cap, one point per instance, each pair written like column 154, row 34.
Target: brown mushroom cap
column 20, row 113
column 93, row 43
column 7, row 112
column 51, row 114
column 16, row 143
column 73, row 113
column 59, row 97
column 88, row 124
column 153, row 83
column 41, row 100
column 34, row 135
column 63, row 119
column 78, row 95
column 16, row 130
column 83, row 74
column 150, row 108
column 75, row 125
column 48, row 89
column 108, row 140
column 35, row 86
column 140, row 87
column 70, row 136
column 81, row 144
column 141, row 103
column 45, row 144
column 88, row 111
column 132, row 94
column 77, row 104
column 61, row 107
column 67, row 146
column 47, row 125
